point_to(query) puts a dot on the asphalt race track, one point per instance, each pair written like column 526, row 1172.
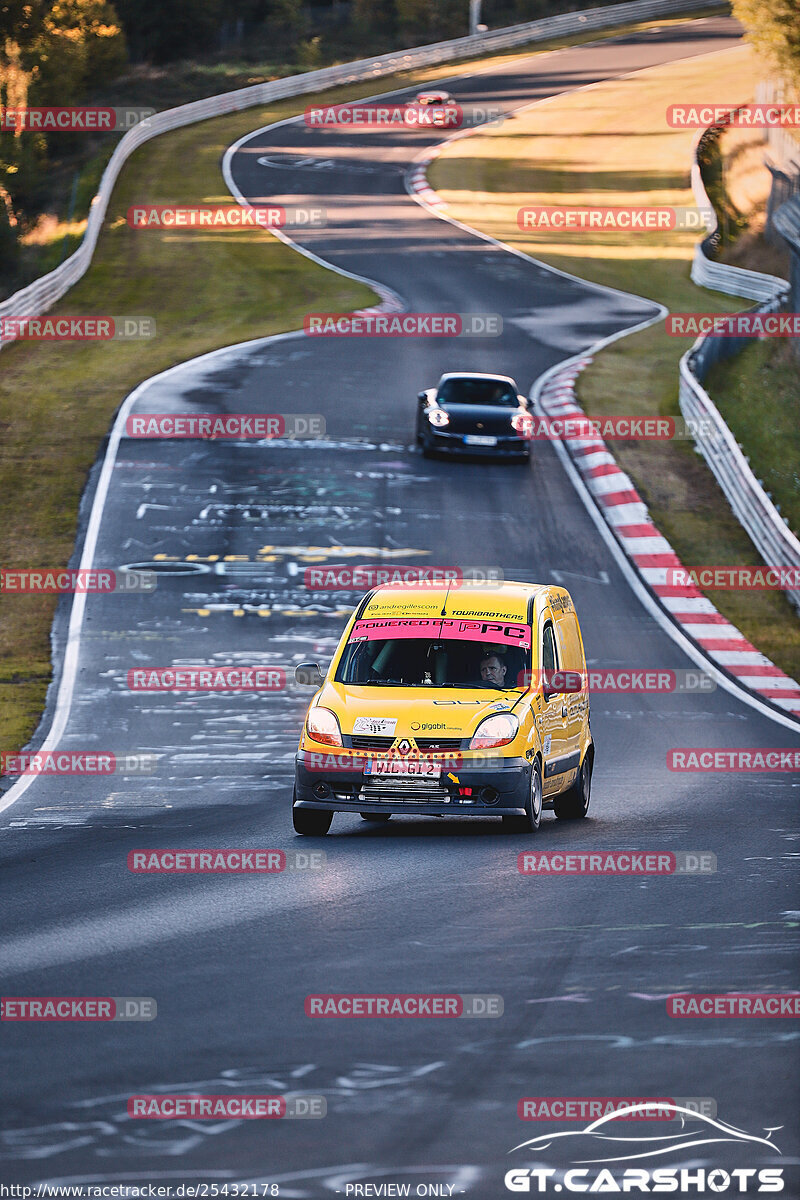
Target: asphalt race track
column 583, row 965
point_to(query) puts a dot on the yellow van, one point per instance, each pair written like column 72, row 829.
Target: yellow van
column 449, row 701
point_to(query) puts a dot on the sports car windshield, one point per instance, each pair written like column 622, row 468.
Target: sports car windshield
column 431, row 652
column 477, row 391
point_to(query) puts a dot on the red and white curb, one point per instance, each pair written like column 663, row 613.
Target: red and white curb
column 651, row 554
column 417, row 179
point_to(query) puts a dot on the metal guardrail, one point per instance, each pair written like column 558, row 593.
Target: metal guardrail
column 783, row 144
column 754, row 509
column 40, row 295
column 720, row 277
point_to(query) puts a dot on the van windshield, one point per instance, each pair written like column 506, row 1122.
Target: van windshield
column 431, row 652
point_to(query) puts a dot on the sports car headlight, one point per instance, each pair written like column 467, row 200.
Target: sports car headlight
column 497, row 730
column 322, row 726
column 522, row 422
column 439, row 418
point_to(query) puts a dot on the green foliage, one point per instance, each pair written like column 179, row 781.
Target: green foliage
column 80, row 45
column 773, row 26
column 9, row 247
column 309, row 54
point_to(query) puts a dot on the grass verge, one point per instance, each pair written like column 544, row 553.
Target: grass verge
column 609, row 145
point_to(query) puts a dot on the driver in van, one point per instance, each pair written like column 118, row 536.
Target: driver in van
column 493, row 670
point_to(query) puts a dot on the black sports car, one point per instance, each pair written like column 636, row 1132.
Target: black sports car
column 474, row 414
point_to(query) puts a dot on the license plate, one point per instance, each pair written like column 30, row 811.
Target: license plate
column 478, row 439
column 401, row 766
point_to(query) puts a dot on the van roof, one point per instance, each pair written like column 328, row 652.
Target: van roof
column 506, row 600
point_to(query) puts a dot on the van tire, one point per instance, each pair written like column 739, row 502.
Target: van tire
column 533, row 805
column 573, row 804
column 311, row 822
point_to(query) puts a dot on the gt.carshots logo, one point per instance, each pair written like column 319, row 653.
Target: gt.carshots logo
column 594, row 1148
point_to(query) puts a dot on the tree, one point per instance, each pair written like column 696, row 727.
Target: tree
column 170, row 29
column 773, row 27
column 80, row 45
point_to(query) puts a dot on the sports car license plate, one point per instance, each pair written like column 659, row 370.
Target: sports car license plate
column 478, row 439
column 401, row 766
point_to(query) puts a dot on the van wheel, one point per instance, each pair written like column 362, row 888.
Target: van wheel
column 375, row 816
column 311, row 822
column 573, row 804
column 533, row 806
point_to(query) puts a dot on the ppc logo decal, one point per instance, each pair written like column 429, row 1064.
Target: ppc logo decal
column 699, row 1130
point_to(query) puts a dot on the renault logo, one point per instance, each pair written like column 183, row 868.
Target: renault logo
column 404, row 747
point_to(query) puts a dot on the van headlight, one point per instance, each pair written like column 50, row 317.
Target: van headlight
column 322, row 726
column 439, row 418
column 497, row 730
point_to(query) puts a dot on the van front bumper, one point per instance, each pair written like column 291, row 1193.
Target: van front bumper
column 500, row 790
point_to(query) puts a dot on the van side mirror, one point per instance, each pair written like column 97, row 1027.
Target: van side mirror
column 308, row 675
column 556, row 683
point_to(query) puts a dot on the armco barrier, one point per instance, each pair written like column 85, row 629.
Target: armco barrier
column 44, row 292
column 769, row 533
column 773, row 539
column 720, row 277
